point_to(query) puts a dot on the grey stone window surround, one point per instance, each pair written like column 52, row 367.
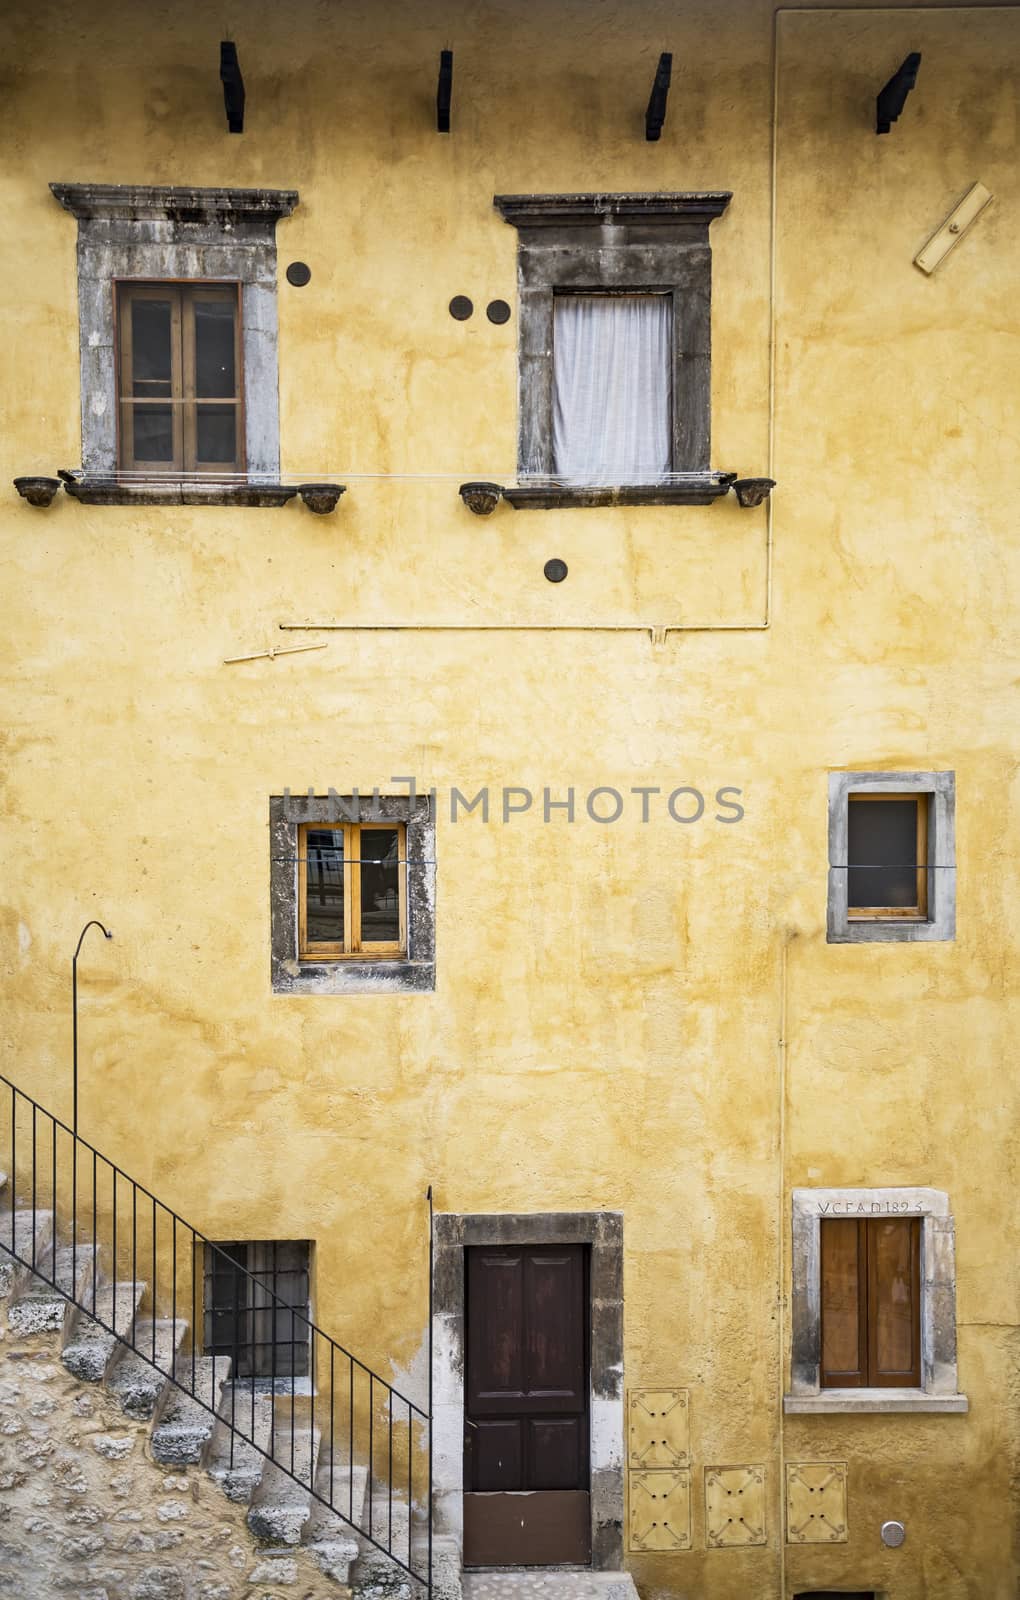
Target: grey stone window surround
column 453, row 1233
column 623, row 243
column 938, row 1391
column 941, row 920
column 158, row 233
column 415, row 973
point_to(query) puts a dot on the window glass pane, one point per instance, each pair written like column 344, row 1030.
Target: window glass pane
column 324, row 885
column 215, row 436
column 151, row 330
column 214, row 348
column 890, row 1245
column 612, row 388
column 154, row 433
column 882, row 852
column 380, row 906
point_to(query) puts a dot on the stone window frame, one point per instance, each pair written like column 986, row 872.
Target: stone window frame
column 940, row 922
column 160, row 233
column 411, row 974
column 615, row 243
column 939, row 1384
column 602, row 1231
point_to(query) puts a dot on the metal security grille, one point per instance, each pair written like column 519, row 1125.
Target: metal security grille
column 248, row 1288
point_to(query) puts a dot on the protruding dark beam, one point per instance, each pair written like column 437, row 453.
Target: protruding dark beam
column 655, row 116
column 233, row 86
column 893, row 97
column 444, row 93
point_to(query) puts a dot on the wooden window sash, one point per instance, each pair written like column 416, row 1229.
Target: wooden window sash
column 353, row 948
column 183, row 401
column 919, row 911
column 868, row 1373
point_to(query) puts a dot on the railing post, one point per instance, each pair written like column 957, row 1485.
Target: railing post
column 74, row 1014
column 429, row 1503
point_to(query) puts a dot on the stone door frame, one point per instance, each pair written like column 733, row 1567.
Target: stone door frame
column 603, row 1232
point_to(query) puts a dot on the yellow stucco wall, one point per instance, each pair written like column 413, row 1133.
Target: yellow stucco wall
column 605, row 1024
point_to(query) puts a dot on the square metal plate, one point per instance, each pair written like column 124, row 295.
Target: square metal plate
column 734, row 1506
column 658, row 1428
column 660, row 1510
column 816, row 1502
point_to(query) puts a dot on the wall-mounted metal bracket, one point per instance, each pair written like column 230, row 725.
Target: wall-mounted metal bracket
column 655, row 115
column 444, row 91
column 893, row 96
column 950, row 232
column 233, row 86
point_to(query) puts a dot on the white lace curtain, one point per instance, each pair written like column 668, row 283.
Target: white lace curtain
column 612, row 357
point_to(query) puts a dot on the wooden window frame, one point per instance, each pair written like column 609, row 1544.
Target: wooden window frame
column 353, row 947
column 870, row 1375
column 184, row 403
column 919, row 911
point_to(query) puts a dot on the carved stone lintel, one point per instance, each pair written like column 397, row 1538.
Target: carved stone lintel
column 165, row 203
column 565, row 210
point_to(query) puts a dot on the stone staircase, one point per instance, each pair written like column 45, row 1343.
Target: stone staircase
column 192, row 1429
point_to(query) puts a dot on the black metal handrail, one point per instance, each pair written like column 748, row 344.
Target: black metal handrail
column 382, row 1432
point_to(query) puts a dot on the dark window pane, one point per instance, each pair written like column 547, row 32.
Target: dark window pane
column 214, row 348
column 324, row 884
column 216, row 434
column 150, row 348
column 881, row 852
column 380, row 912
column 154, row 433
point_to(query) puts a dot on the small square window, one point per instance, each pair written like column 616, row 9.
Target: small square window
column 352, row 891
column 178, row 378
column 257, row 1307
column 892, row 857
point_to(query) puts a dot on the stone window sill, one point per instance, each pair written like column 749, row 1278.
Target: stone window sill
column 832, row 1402
column 353, row 977
column 690, row 489
column 108, row 492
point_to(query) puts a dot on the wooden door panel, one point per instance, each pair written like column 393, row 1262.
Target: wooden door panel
column 554, row 1452
column 894, row 1287
column 497, row 1449
column 526, row 1466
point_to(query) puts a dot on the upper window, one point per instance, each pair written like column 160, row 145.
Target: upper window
column 178, row 340
column 615, row 348
column 352, row 886
column 179, row 392
column 352, row 891
column 892, row 856
column 871, row 1308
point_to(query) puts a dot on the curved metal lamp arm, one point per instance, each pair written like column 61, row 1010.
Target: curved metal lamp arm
column 94, row 923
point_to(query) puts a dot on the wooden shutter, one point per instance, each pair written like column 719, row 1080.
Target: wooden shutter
column 844, row 1304
column 871, row 1303
column 894, row 1323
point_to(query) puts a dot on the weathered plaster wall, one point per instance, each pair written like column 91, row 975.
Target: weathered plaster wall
column 608, row 999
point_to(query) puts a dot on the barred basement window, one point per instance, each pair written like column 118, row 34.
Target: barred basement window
column 243, row 1320
column 178, row 377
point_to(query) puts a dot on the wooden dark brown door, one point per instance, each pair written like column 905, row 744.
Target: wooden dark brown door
column 526, row 1458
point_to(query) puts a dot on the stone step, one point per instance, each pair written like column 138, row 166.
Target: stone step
column 235, row 1462
column 139, row 1375
column 17, row 1229
column 373, row 1568
column 92, row 1346
column 43, row 1307
column 548, row 1583
column 185, row 1424
column 281, row 1506
column 333, row 1542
